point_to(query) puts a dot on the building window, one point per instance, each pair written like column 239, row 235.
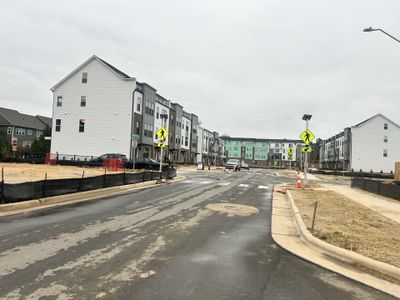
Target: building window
column 29, row 132
column 138, row 106
column 20, row 131
column 385, row 139
column 84, row 77
column 81, row 125
column 148, row 130
column 276, row 145
column 137, row 130
column 9, row 130
column 158, row 113
column 58, row 125
column 385, row 153
column 83, row 101
column 59, row 101
column 149, row 108
column 385, row 126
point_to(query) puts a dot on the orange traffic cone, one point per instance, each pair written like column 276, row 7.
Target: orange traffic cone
column 298, row 180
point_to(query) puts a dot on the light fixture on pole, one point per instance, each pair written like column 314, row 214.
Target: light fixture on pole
column 306, row 118
column 370, row 29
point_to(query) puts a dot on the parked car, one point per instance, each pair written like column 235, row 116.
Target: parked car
column 110, row 155
column 233, row 164
column 244, row 165
column 148, row 163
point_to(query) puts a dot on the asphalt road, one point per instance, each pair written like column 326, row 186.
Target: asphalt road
column 164, row 243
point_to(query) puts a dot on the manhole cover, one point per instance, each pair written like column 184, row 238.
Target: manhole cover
column 233, row 209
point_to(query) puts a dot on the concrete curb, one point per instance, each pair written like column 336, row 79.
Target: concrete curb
column 81, row 196
column 337, row 252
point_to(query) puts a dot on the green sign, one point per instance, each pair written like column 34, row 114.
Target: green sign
column 135, row 137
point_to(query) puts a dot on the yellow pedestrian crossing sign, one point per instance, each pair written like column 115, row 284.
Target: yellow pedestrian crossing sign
column 162, row 133
column 290, row 157
column 290, row 150
column 307, row 148
column 307, row 137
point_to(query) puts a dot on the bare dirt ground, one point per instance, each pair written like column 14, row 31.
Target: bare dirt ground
column 350, row 225
column 14, row 172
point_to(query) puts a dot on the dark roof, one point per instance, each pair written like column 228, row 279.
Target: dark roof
column 45, row 120
column 377, row 115
column 122, row 74
column 17, row 119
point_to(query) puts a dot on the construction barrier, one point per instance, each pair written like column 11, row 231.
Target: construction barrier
column 54, row 187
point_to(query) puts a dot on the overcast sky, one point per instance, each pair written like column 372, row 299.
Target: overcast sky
column 246, row 68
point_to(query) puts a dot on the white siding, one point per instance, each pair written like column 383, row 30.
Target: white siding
column 107, row 113
column 368, row 146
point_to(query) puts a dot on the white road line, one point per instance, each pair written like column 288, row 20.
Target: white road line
column 224, row 183
column 243, row 185
column 188, row 181
column 205, row 182
column 263, row 187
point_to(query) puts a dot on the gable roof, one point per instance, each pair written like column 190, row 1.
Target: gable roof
column 109, row 66
column 45, row 120
column 373, row 117
column 17, row 119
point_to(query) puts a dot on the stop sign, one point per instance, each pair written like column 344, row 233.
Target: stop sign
column 14, row 143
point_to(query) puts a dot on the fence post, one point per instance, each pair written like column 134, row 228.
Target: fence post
column 104, row 177
column 314, row 215
column 123, row 180
column 2, row 185
column 80, row 182
column 44, row 185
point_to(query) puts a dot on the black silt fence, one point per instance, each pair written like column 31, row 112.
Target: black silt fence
column 16, row 192
column 390, row 190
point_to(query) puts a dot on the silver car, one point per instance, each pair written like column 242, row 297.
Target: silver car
column 233, row 164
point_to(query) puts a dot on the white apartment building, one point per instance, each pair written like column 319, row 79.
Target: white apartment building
column 92, row 111
column 372, row 145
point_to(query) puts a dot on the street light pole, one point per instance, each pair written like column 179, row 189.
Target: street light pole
column 370, row 29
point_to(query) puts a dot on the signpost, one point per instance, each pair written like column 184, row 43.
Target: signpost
column 135, row 142
column 162, row 134
column 14, row 145
column 307, row 137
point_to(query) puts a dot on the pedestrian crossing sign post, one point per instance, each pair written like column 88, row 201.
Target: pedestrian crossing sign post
column 307, row 148
column 162, row 133
column 307, row 137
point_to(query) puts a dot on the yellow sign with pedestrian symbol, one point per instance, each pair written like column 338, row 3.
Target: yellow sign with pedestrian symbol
column 306, row 149
column 162, row 133
column 307, row 137
column 290, row 157
column 290, row 150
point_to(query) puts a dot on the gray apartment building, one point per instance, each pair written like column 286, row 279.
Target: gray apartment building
column 146, row 146
column 194, row 137
column 175, row 147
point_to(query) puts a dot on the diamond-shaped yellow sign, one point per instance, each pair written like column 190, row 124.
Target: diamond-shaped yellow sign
column 290, row 150
column 290, row 157
column 306, row 149
column 162, row 133
column 307, row 136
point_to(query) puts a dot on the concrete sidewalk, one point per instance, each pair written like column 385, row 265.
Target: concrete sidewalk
column 286, row 233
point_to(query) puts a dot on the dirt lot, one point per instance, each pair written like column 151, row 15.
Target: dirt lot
column 14, row 173
column 347, row 224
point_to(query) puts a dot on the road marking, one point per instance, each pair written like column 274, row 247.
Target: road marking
column 263, row 187
column 205, row 182
column 224, row 183
column 243, row 185
column 188, row 181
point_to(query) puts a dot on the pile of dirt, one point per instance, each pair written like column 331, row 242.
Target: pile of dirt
column 347, row 224
column 16, row 172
